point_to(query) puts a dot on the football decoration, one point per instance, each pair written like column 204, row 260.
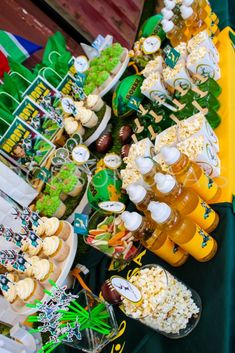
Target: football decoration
column 125, row 134
column 104, row 143
column 110, row 294
column 125, row 150
column 127, row 88
column 104, row 186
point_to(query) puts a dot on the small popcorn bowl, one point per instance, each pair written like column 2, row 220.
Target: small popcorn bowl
column 167, row 305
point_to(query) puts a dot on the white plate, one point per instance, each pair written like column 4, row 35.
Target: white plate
column 65, row 268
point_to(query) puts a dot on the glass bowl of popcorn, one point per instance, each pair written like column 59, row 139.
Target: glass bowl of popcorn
column 167, row 305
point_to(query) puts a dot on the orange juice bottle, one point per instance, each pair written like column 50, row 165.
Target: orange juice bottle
column 173, row 33
column 148, row 168
column 141, row 198
column 187, row 202
column 194, row 23
column 190, row 174
column 198, row 6
column 187, row 234
column 154, row 239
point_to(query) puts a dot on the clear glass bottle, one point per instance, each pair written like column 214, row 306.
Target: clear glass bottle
column 184, row 232
column 190, row 174
column 159, row 306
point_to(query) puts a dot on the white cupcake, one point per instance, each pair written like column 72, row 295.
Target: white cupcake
column 94, row 102
column 28, row 290
column 88, row 118
column 55, row 248
column 44, row 270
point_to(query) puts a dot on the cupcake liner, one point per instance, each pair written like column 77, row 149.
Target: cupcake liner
column 53, row 276
column 105, row 84
column 116, row 69
column 92, row 122
column 37, row 294
column 64, row 230
column 62, row 253
column 60, row 211
column 99, row 105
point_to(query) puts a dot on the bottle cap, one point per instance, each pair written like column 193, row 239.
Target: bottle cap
column 165, row 183
column 132, row 220
column 160, row 211
column 188, row 2
column 167, row 14
column 170, row 154
column 167, row 26
column 170, row 4
column 186, row 11
column 136, row 193
column 144, row 165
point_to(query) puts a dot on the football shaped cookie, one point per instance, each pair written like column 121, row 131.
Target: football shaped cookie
column 110, row 294
column 104, row 143
column 125, row 134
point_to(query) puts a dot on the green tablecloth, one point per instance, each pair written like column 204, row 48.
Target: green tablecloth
column 225, row 10
column 215, row 283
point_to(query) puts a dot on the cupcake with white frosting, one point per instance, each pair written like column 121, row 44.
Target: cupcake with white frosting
column 72, row 126
column 44, row 270
column 88, row 118
column 54, row 226
column 94, row 102
column 28, row 289
column 9, row 291
column 55, row 248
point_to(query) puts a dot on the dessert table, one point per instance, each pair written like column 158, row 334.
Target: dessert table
column 214, row 281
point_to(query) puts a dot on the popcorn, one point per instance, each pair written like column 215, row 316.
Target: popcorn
column 200, row 150
column 182, row 49
column 167, row 137
column 198, row 125
column 202, row 39
column 166, row 304
column 200, row 61
column 130, row 174
column 177, row 76
column 152, row 86
column 153, row 66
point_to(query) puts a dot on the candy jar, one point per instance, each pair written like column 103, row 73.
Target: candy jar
column 99, row 324
column 165, row 303
column 108, row 235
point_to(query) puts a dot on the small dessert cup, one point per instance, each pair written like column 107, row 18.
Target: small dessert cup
column 94, row 102
column 45, row 270
column 58, row 228
column 60, row 211
column 29, row 289
column 55, row 248
column 78, row 188
column 91, row 120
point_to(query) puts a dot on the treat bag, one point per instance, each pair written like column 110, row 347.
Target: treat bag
column 9, row 95
column 22, row 76
column 206, row 157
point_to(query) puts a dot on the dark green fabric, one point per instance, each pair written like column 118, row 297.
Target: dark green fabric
column 225, row 10
column 215, row 283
